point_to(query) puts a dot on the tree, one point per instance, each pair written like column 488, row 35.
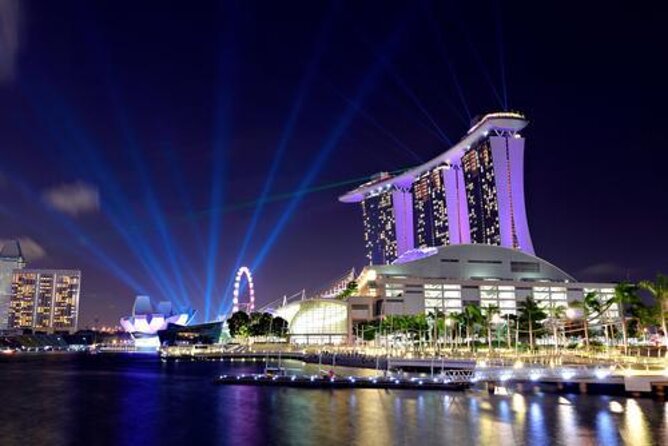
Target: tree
column 435, row 318
column 512, row 320
column 259, row 323
column 556, row 314
column 489, row 312
column 279, row 326
column 530, row 313
column 624, row 296
column 591, row 307
column 237, row 321
column 643, row 317
column 659, row 290
column 473, row 317
column 458, row 321
column 351, row 290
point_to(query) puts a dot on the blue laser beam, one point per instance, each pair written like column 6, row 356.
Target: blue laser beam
column 72, row 228
column 83, row 155
column 223, row 103
column 360, row 111
column 149, row 197
column 501, row 50
column 446, row 57
column 329, row 145
column 286, row 135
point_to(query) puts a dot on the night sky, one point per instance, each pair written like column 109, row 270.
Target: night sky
column 137, row 137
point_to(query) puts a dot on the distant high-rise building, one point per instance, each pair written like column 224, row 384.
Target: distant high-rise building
column 471, row 193
column 45, row 300
column 11, row 259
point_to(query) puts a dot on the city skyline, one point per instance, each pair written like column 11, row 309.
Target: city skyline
column 161, row 150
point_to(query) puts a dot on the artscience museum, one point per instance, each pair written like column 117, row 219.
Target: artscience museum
column 145, row 323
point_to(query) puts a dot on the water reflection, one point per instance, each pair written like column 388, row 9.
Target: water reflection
column 606, row 430
column 88, row 400
column 635, row 424
column 537, row 429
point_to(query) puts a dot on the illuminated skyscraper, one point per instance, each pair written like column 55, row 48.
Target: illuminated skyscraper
column 430, row 215
column 481, row 194
column 471, row 193
column 388, row 219
column 11, row 258
column 45, row 300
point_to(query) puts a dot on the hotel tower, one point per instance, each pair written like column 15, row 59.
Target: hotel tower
column 472, row 193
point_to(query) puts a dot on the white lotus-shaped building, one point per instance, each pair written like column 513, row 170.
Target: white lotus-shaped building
column 145, row 323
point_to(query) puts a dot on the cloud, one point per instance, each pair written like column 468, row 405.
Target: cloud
column 10, row 23
column 30, row 248
column 73, row 198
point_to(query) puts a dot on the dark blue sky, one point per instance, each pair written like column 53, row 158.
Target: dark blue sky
column 157, row 124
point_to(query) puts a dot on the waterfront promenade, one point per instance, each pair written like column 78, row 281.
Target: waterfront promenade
column 572, row 373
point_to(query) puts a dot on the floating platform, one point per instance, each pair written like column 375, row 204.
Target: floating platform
column 347, row 382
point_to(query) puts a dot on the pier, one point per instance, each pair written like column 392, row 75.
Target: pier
column 459, row 380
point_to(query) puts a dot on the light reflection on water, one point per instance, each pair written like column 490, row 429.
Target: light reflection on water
column 63, row 400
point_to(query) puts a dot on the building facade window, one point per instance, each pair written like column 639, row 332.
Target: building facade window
column 549, row 296
column 446, row 298
column 45, row 300
column 501, row 296
column 604, row 295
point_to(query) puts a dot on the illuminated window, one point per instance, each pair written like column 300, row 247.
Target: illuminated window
column 445, row 298
column 502, row 296
column 319, row 322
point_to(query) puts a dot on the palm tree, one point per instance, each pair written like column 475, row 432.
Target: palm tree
column 530, row 313
column 473, row 317
column 625, row 294
column 659, row 290
column 459, row 320
column 439, row 328
column 645, row 317
column 489, row 312
column 591, row 307
column 556, row 314
column 511, row 320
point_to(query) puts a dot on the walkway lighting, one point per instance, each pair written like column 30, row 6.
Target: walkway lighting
column 567, row 374
column 601, row 373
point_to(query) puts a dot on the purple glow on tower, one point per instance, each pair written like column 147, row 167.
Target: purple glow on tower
column 402, row 201
column 502, row 176
column 457, row 207
column 516, row 154
column 503, row 201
